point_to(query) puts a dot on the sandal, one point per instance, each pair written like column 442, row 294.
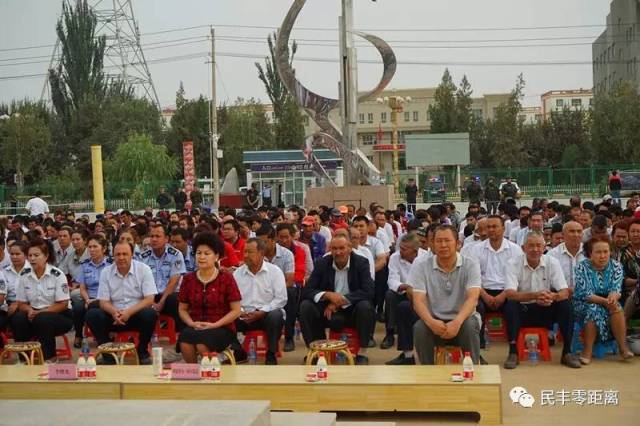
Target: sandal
column 585, row 360
column 627, row 354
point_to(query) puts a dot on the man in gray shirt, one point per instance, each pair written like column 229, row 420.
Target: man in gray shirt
column 446, row 288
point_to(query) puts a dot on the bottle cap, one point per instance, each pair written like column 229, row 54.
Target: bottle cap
column 467, row 354
column 212, row 354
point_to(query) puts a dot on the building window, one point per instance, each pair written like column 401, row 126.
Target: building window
column 591, row 100
column 428, row 116
column 361, row 118
column 370, row 118
column 416, row 115
column 559, row 103
column 383, row 117
column 370, row 158
column 576, row 102
column 367, row 139
column 407, row 116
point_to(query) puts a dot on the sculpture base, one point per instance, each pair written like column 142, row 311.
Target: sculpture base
column 359, row 196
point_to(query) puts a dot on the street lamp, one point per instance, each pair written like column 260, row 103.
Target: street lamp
column 396, row 104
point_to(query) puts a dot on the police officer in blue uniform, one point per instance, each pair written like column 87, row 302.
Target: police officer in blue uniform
column 88, row 280
column 167, row 266
column 180, row 240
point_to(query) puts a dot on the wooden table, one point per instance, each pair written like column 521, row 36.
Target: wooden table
column 349, row 388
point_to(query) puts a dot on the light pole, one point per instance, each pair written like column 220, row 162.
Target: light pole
column 396, row 104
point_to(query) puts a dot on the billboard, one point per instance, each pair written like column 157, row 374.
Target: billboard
column 443, row 149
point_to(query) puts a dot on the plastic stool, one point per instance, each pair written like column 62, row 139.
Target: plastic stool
column 543, row 343
column 260, row 337
column 353, row 340
column 64, row 353
column 496, row 326
column 600, row 349
column 440, row 354
column 169, row 331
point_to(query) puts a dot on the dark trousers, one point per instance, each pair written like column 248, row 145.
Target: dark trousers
column 171, row 308
column 271, row 324
column 391, row 302
column 144, row 322
column 492, row 207
column 79, row 314
column 4, row 322
column 44, row 327
column 381, row 288
column 313, row 322
column 533, row 315
column 266, row 201
column 291, row 309
column 411, row 206
column 483, row 309
column 406, row 320
column 426, row 340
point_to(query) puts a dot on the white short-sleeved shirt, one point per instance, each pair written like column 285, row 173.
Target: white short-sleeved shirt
column 365, row 252
column 375, row 246
column 446, row 292
column 326, row 233
column 493, row 263
column 399, row 269
column 36, row 206
column 8, row 283
column 567, row 261
column 265, row 291
column 41, row 293
column 546, row 276
column 382, row 235
column 126, row 291
column 283, row 259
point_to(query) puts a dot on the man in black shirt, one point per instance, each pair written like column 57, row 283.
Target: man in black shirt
column 411, row 190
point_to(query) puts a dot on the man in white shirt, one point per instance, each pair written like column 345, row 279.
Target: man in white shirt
column 37, row 206
column 535, row 222
column 357, row 238
column 494, row 255
column 264, row 296
column 478, row 236
column 400, row 292
column 537, row 286
column 570, row 252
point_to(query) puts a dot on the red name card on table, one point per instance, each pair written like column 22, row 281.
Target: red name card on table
column 182, row 371
column 62, row 372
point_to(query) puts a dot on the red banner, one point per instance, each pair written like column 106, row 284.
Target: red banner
column 388, row 147
column 188, row 162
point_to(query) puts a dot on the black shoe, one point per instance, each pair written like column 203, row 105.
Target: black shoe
column 380, row 317
column 387, row 342
column 289, row 346
column 402, row 360
column 362, row 360
column 270, row 359
column 483, row 361
column 240, row 356
column 77, row 342
column 106, row 360
column 146, row 361
column 552, row 341
column 371, row 343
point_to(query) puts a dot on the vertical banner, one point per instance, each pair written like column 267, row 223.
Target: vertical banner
column 98, row 183
column 188, row 162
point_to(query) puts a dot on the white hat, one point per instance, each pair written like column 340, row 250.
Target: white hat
column 607, row 197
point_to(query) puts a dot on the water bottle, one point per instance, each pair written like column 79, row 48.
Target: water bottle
column 85, row 347
column 532, row 349
column 215, row 373
column 156, row 355
column 92, row 369
column 81, row 367
column 205, row 367
column 298, row 331
column 487, row 340
column 467, row 367
column 252, row 356
column 321, row 368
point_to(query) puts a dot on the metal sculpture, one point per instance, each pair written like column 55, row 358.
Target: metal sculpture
column 318, row 107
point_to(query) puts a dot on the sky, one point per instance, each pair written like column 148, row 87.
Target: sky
column 489, row 41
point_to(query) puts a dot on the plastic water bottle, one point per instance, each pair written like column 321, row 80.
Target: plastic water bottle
column 298, row 330
column 81, row 367
column 467, row 367
column 92, row 369
column 532, row 349
column 487, row 340
column 215, row 373
column 252, row 356
column 156, row 355
column 85, row 347
column 205, row 367
column 321, row 368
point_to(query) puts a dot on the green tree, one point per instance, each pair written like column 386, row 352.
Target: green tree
column 138, row 160
column 288, row 120
column 507, row 148
column 463, row 106
column 24, row 139
column 443, row 112
column 615, row 129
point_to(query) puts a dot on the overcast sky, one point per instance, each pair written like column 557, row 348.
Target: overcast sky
column 406, row 24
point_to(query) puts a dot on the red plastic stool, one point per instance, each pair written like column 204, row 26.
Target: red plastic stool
column 496, row 326
column 169, row 331
column 260, row 337
column 126, row 336
column 64, row 353
column 352, row 340
column 543, row 343
column 441, row 353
